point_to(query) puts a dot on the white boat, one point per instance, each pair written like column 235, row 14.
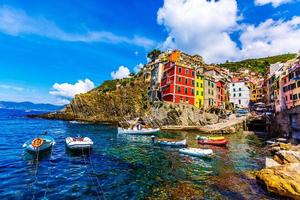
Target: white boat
column 135, row 130
column 196, row 152
column 79, row 142
column 181, row 143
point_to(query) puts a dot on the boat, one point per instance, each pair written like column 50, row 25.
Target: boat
column 210, row 137
column 79, row 142
column 213, row 142
column 196, row 152
column 138, row 131
column 40, row 143
column 171, row 142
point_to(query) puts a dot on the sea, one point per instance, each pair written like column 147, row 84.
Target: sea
column 122, row 166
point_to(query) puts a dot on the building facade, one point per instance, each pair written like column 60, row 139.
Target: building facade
column 210, row 92
column 239, row 93
column 199, row 88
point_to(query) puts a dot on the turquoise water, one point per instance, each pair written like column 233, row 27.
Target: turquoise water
column 126, row 167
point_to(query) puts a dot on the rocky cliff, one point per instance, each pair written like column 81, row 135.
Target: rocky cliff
column 116, row 100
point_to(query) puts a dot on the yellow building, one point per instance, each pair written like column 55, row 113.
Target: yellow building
column 199, row 87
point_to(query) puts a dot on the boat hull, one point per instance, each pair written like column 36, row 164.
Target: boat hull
column 213, row 142
column 47, row 145
column 182, row 143
column 196, row 152
column 78, row 143
column 144, row 131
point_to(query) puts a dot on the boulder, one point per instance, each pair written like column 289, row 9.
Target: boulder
column 271, row 163
column 283, row 180
column 288, row 156
column 284, row 146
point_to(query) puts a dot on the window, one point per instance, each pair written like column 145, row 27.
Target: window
column 193, row 82
column 179, row 79
column 234, row 95
column 212, row 84
column 234, row 89
column 233, row 84
column 193, row 73
column 284, row 80
column 295, row 97
column 201, row 85
column 240, row 94
column 291, row 97
column 298, row 84
column 192, row 91
column 201, row 93
column 208, row 83
column 186, row 81
column 186, row 71
column 212, row 92
column 240, row 101
column 240, row 89
column 179, row 89
column 286, row 98
column 197, row 92
column 179, row 70
column 185, row 90
column 187, row 99
column 197, row 84
column 208, row 91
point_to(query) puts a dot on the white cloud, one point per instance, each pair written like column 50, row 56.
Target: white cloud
column 122, row 72
column 204, row 27
column 16, row 22
column 275, row 3
column 11, row 87
column 67, row 90
column 271, row 38
column 200, row 26
column 138, row 68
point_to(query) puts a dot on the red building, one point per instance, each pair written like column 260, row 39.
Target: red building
column 178, row 84
column 221, row 93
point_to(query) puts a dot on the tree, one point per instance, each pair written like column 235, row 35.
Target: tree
column 152, row 55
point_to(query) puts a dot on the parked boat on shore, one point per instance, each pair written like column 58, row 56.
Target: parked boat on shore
column 79, row 143
column 210, row 137
column 213, row 142
column 39, row 144
column 196, row 152
column 138, row 131
column 170, row 142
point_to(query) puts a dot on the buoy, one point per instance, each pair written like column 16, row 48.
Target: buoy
column 37, row 142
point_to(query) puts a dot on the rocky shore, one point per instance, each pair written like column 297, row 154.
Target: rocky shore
column 282, row 173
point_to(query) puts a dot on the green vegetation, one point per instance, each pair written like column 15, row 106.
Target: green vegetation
column 111, row 85
column 259, row 65
column 154, row 54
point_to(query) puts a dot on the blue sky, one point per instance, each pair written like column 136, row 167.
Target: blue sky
column 48, row 42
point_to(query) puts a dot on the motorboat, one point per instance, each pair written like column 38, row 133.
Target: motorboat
column 196, row 152
column 213, row 142
column 79, row 142
column 210, row 137
column 138, row 131
column 40, row 143
column 171, row 142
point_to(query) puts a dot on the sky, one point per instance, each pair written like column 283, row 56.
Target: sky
column 52, row 50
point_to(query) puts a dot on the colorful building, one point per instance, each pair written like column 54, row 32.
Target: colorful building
column 199, row 87
column 239, row 93
column 210, row 91
column 221, row 93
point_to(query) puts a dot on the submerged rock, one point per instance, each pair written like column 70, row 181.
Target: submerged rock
column 283, row 180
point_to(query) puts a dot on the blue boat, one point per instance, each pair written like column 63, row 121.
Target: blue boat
column 40, row 143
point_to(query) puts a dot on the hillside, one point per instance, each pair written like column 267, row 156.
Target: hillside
column 259, row 65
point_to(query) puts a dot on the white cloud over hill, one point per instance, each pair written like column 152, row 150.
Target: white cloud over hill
column 122, row 72
column 205, row 27
column 68, row 91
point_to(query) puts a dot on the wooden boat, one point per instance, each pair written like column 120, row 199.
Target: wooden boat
column 210, row 137
column 79, row 142
column 196, row 152
column 41, row 143
column 171, row 142
column 213, row 142
column 138, row 131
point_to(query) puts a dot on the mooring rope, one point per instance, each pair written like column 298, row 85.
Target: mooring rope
column 47, row 182
column 36, row 170
column 94, row 171
column 85, row 161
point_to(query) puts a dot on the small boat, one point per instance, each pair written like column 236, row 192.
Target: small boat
column 138, row 131
column 79, row 142
column 213, row 142
column 210, row 137
column 41, row 143
column 196, row 152
column 171, row 142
